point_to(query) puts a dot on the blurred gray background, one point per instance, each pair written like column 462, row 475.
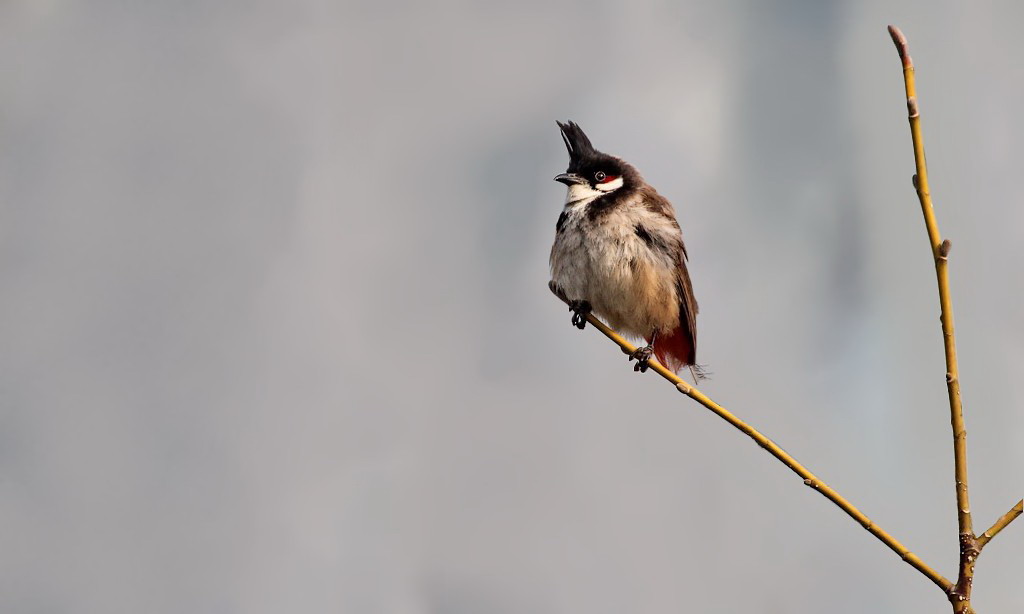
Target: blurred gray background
column 275, row 335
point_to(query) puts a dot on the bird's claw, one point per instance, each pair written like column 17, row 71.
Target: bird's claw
column 642, row 356
column 580, row 310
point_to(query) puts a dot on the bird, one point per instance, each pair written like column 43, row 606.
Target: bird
column 619, row 253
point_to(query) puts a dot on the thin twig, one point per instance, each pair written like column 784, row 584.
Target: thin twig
column 940, row 253
column 1000, row 524
column 809, row 478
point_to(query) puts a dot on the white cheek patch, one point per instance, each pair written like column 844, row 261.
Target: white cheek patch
column 610, row 186
column 580, row 194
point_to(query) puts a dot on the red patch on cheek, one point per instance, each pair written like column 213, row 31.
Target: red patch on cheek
column 609, row 179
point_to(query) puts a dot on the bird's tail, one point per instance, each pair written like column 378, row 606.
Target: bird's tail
column 699, row 372
column 674, row 350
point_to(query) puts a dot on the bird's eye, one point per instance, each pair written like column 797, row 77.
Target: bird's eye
column 599, row 176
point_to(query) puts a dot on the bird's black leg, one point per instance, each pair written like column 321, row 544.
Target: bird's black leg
column 580, row 310
column 643, row 355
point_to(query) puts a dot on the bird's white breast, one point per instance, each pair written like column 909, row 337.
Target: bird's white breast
column 603, row 260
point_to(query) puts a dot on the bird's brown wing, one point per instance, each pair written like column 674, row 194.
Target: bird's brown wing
column 687, row 305
column 684, row 287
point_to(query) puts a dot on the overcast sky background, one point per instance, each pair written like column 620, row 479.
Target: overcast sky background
column 275, row 334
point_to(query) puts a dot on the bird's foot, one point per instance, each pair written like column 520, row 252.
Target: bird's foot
column 642, row 356
column 580, row 310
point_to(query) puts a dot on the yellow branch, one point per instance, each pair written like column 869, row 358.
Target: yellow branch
column 809, row 478
column 1000, row 524
column 940, row 253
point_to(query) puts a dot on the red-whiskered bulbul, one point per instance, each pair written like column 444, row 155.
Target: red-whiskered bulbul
column 619, row 252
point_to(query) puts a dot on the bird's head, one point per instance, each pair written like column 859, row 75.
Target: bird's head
column 591, row 173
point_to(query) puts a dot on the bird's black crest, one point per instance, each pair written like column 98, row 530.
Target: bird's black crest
column 576, row 142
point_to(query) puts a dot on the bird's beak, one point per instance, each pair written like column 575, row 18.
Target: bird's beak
column 570, row 179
